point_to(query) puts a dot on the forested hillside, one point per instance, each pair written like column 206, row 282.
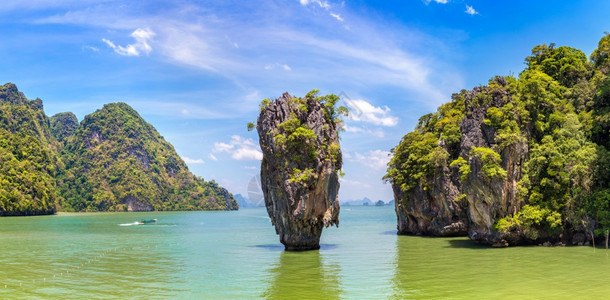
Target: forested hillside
column 117, row 161
column 28, row 156
column 112, row 161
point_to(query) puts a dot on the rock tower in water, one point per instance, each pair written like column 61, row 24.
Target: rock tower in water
column 300, row 166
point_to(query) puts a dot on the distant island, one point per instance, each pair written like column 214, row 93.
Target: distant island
column 111, row 161
column 521, row 160
column 366, row 202
column 245, row 202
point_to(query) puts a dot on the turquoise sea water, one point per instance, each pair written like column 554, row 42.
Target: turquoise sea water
column 230, row 255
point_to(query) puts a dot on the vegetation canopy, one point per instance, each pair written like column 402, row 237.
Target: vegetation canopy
column 112, row 161
column 559, row 109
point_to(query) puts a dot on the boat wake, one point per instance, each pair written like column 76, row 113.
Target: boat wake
column 148, row 221
column 131, row 224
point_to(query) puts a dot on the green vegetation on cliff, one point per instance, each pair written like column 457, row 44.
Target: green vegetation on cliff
column 559, row 109
column 295, row 138
column 28, row 156
column 300, row 170
column 117, row 161
column 63, row 125
column 418, row 155
column 112, row 161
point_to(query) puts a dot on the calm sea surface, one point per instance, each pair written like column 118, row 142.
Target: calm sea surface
column 237, row 255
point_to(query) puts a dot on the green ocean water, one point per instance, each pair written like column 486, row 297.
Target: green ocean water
column 227, row 255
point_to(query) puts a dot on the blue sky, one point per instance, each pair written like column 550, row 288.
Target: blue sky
column 197, row 70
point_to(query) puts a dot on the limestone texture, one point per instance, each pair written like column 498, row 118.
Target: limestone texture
column 299, row 170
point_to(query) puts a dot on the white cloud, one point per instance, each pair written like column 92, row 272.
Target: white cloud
column 240, row 148
column 189, row 160
column 212, row 157
column 375, row 159
column 94, row 49
column 385, row 65
column 190, row 44
column 471, row 11
column 336, row 16
column 322, row 4
column 371, row 53
column 354, row 183
column 142, row 37
column 361, row 110
column 247, row 154
column 326, row 6
column 355, row 129
column 223, row 147
column 278, row 65
column 250, row 167
column 437, row 1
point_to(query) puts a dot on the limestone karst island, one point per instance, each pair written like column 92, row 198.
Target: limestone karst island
column 300, row 167
column 304, row 149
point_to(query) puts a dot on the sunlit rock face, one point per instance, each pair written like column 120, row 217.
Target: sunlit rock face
column 451, row 205
column 490, row 199
column 299, row 170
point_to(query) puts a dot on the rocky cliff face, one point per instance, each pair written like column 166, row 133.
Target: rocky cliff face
column 432, row 211
column 426, row 185
column 301, row 159
column 465, row 180
column 490, row 197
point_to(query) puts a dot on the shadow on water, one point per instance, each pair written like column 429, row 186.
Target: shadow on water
column 452, row 242
column 465, row 243
column 424, row 265
column 303, row 275
column 279, row 247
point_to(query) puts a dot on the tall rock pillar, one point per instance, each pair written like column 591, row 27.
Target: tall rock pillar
column 299, row 170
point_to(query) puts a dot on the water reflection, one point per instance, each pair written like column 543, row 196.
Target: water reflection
column 303, row 275
column 400, row 282
column 433, row 267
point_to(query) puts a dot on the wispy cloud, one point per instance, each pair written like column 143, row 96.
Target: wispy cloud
column 189, row 160
column 355, row 129
column 336, row 16
column 142, row 37
column 354, row 183
column 239, row 148
column 278, row 65
column 375, row 159
column 238, row 47
column 91, row 48
column 322, row 4
column 212, row 157
column 326, row 6
column 471, row 11
column 437, row 1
